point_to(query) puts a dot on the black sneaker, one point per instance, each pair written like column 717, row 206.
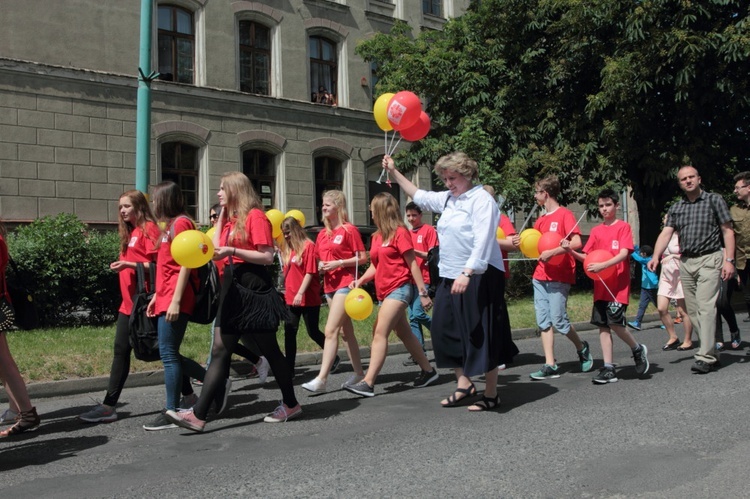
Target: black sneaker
column 409, row 362
column 606, row 375
column 361, row 388
column 335, row 366
column 160, row 423
column 641, row 360
column 425, row 378
column 701, row 367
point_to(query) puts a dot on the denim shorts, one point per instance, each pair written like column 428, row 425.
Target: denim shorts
column 341, row 291
column 402, row 293
column 551, row 305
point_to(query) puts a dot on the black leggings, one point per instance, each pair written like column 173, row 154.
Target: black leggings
column 224, row 344
column 120, row 369
column 311, row 315
column 724, row 307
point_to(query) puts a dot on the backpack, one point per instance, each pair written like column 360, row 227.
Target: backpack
column 142, row 330
column 207, row 291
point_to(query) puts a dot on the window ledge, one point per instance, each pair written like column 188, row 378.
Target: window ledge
column 433, row 22
column 380, row 8
column 329, row 4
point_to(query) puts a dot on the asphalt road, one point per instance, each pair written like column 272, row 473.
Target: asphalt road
column 671, row 434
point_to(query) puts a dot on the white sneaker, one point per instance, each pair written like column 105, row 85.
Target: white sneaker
column 262, row 367
column 353, row 380
column 316, row 386
column 9, row 416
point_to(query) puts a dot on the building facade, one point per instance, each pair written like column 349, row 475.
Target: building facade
column 272, row 88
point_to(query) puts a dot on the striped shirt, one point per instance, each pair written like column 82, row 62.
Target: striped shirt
column 699, row 223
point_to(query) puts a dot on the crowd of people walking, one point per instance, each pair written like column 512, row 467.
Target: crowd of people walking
column 701, row 252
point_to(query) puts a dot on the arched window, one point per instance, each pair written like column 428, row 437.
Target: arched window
column 180, row 164
column 323, row 70
column 176, row 44
column 255, row 57
column 328, row 175
column 259, row 167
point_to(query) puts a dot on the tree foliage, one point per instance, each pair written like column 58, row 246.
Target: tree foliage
column 603, row 93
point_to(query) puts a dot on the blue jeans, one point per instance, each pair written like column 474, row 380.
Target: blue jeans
column 647, row 296
column 418, row 317
column 170, row 339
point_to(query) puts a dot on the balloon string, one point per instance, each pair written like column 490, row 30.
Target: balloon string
column 607, row 288
column 385, row 140
column 531, row 213
column 356, row 265
column 393, row 148
column 576, row 225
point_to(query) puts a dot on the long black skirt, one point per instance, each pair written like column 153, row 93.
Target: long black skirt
column 472, row 330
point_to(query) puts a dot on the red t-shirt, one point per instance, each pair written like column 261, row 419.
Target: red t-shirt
column 141, row 248
column 295, row 271
column 561, row 221
column 424, row 238
column 612, row 238
column 257, row 233
column 391, row 271
column 168, row 271
column 507, row 226
column 340, row 244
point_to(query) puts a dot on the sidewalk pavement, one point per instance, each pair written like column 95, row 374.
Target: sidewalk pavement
column 148, row 378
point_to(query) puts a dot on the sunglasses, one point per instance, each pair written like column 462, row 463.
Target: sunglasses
column 215, row 216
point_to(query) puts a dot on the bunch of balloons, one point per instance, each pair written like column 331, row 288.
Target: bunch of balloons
column 403, row 113
column 192, row 249
column 358, row 304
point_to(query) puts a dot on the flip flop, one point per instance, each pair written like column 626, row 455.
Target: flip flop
column 454, row 401
column 674, row 345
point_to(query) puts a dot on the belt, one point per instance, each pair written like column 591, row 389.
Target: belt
column 686, row 254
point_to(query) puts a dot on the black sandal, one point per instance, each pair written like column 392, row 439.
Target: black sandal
column 672, row 346
column 486, row 404
column 454, row 401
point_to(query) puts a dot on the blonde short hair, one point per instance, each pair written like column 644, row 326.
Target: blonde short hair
column 458, row 162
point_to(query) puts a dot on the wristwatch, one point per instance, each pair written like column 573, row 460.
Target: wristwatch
column 731, row 260
column 466, row 274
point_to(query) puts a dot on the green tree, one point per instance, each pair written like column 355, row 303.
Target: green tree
column 602, row 93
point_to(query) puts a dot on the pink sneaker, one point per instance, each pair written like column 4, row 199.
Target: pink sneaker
column 186, row 419
column 283, row 414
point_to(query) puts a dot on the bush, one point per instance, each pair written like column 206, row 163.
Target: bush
column 68, row 267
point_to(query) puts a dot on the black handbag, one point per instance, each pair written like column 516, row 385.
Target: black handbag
column 142, row 329
column 257, row 308
column 22, row 299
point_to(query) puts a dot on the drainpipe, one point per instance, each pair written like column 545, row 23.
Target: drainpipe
column 143, row 113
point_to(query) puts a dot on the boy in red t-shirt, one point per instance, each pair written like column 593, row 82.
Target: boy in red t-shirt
column 423, row 238
column 611, row 296
column 552, row 281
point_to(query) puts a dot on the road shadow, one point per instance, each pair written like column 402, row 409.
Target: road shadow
column 39, row 452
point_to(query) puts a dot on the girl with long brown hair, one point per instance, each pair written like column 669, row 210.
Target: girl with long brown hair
column 394, row 268
column 138, row 236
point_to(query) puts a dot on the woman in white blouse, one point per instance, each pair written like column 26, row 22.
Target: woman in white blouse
column 471, row 328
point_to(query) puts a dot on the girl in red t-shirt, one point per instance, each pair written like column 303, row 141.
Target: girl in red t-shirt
column 244, row 244
column 174, row 299
column 301, row 287
column 138, row 236
column 340, row 250
column 394, row 269
column 20, row 411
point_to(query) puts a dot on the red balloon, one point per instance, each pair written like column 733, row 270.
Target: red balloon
column 548, row 241
column 418, row 130
column 599, row 256
column 403, row 110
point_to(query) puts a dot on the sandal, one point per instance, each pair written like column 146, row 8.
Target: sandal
column 672, row 345
column 27, row 421
column 485, row 404
column 454, row 401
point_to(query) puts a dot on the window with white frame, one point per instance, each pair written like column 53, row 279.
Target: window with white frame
column 255, row 57
column 176, row 42
column 329, row 175
column 323, row 70
column 260, row 168
column 180, row 163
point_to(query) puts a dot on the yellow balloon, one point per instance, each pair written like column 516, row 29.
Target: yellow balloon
column 275, row 217
column 358, row 304
column 192, row 249
column 529, row 243
column 499, row 234
column 380, row 111
column 210, row 233
column 297, row 215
